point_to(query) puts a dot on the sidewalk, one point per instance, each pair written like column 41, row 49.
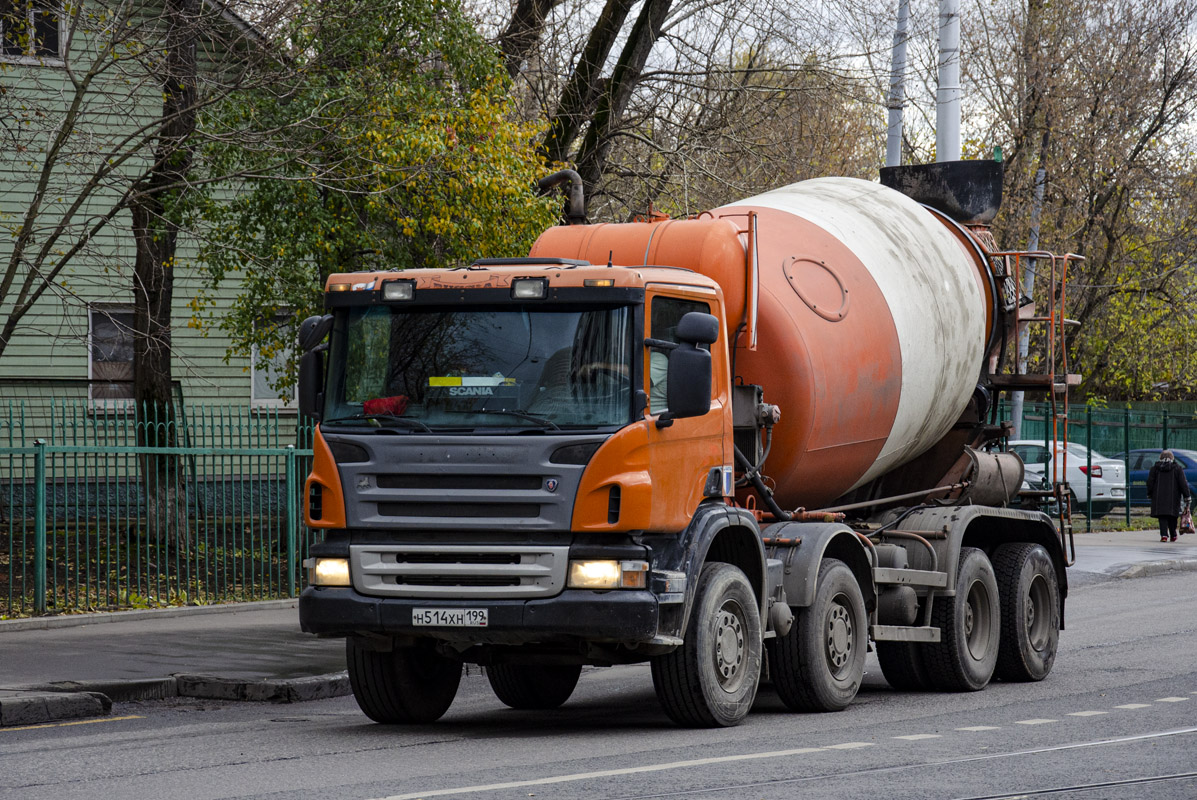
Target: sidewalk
column 73, row 666
column 55, row 668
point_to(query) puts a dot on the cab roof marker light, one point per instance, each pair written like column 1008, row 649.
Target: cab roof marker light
column 338, row 287
column 530, row 288
column 398, row 291
column 599, row 282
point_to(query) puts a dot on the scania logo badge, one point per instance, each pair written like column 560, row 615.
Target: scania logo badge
column 551, row 484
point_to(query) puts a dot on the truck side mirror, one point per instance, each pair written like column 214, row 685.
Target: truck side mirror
column 313, row 330
column 311, row 384
column 688, row 392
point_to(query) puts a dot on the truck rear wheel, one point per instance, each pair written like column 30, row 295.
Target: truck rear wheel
column 711, row 679
column 533, row 686
column 1030, row 596
column 819, row 665
column 902, row 665
column 964, row 658
column 406, row 685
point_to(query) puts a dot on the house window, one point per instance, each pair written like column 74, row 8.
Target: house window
column 31, row 30
column 110, row 354
column 265, row 378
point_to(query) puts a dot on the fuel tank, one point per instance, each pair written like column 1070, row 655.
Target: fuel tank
column 873, row 318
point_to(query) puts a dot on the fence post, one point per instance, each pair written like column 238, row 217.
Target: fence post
column 1164, row 443
column 1089, row 467
column 292, row 497
column 39, row 527
column 1126, row 459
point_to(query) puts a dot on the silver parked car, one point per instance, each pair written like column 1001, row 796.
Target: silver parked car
column 1107, row 476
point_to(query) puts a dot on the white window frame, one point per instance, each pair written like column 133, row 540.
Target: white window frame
column 104, row 403
column 63, row 31
column 273, row 402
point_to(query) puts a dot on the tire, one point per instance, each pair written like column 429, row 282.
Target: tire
column 532, row 686
column 710, row 681
column 819, row 665
column 902, row 665
column 970, row 628
column 1030, row 598
column 406, row 685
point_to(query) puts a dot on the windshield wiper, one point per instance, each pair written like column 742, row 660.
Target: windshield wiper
column 380, row 419
column 544, row 423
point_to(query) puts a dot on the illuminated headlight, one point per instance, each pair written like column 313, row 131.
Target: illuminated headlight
column 608, row 574
column 328, row 571
column 398, row 290
column 530, row 289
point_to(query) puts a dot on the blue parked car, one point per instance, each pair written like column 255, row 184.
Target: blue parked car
column 1141, row 462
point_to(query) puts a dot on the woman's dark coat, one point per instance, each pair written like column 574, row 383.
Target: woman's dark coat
column 1166, row 485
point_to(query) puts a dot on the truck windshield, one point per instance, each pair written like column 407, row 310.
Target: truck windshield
column 512, row 368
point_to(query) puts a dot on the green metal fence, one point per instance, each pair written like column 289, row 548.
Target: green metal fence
column 1113, row 432
column 90, row 520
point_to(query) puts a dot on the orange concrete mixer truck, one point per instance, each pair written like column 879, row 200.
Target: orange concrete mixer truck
column 758, row 442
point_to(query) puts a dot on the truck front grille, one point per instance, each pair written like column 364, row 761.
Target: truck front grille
column 460, row 509
column 458, row 571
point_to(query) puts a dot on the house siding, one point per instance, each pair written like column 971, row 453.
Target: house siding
column 52, row 338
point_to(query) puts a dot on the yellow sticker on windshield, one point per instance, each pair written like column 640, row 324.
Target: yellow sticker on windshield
column 495, row 380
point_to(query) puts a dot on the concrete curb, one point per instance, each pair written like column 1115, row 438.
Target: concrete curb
column 1145, row 568
column 103, row 617
column 120, row 691
column 55, row 702
column 287, row 690
column 34, row 708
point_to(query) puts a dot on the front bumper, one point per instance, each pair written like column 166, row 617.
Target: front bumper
column 615, row 616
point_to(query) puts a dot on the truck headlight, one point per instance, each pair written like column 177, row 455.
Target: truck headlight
column 605, row 574
column 530, row 288
column 328, row 571
column 398, row 290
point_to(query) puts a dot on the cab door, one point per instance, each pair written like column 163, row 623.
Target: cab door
column 683, row 452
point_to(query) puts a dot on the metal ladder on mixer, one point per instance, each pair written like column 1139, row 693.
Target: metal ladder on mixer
column 1055, row 379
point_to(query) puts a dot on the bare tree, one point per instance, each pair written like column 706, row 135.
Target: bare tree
column 1104, row 95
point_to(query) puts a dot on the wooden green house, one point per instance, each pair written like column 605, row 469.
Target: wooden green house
column 81, row 101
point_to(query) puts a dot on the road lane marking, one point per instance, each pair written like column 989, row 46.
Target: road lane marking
column 1172, row 700
column 608, row 773
column 1087, row 713
column 914, row 737
column 68, row 724
column 1133, row 706
column 1035, row 721
column 980, row 728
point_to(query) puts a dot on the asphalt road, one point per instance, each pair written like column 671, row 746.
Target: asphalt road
column 1116, row 719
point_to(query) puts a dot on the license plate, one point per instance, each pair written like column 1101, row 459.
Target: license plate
column 450, row 617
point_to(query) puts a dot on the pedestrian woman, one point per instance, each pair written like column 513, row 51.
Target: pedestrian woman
column 1166, row 486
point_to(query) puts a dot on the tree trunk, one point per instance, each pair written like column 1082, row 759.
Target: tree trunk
column 155, row 231
column 523, row 32
column 582, row 91
column 592, row 157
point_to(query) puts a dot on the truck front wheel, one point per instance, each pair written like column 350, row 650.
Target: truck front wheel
column 1030, row 598
column 406, row 685
column 819, row 665
column 711, row 679
column 969, row 625
column 531, row 686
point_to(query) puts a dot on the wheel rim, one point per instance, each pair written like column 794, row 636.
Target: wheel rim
column 839, row 636
column 730, row 650
column 978, row 621
column 1038, row 613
